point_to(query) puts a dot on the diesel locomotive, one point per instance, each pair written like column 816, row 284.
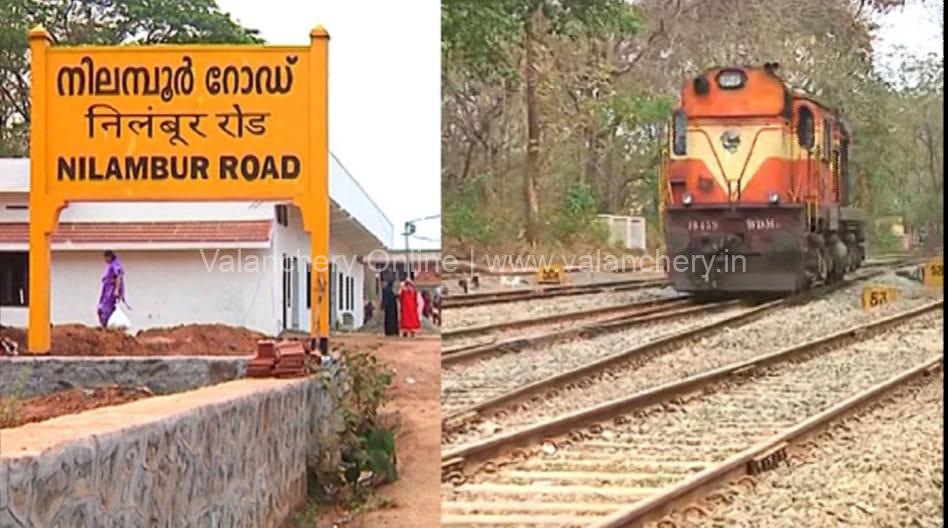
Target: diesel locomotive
column 756, row 192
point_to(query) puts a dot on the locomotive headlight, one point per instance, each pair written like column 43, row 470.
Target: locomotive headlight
column 773, row 197
column 686, row 198
column 731, row 79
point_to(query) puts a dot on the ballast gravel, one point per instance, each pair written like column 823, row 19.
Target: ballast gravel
column 772, row 332
column 881, row 469
column 456, row 318
column 468, row 383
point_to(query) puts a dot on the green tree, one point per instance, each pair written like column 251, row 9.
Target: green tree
column 131, row 22
column 604, row 94
column 504, row 40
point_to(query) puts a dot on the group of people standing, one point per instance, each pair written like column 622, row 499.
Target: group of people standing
column 402, row 310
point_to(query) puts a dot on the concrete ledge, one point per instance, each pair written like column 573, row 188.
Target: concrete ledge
column 26, row 376
column 232, row 454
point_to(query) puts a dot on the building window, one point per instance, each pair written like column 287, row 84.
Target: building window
column 346, row 297
column 342, row 292
column 309, row 285
column 14, row 269
column 827, row 138
column 282, row 215
column 350, row 293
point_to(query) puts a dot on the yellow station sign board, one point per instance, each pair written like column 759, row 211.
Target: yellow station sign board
column 874, row 296
column 933, row 273
column 177, row 123
column 551, row 274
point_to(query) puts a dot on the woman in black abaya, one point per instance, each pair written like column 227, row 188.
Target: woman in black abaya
column 389, row 310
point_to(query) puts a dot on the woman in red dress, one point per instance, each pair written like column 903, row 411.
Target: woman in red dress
column 408, row 298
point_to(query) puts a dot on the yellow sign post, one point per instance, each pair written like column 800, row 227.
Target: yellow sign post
column 933, row 273
column 181, row 123
column 551, row 274
column 876, row 296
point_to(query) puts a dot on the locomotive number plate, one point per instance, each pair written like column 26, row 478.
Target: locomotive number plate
column 761, row 224
column 702, row 225
column 552, row 274
column 933, row 273
column 876, row 296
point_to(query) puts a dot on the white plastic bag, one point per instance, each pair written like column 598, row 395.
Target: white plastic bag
column 119, row 320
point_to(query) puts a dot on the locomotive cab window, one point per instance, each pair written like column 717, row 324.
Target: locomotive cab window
column 679, row 133
column 805, row 125
column 827, row 139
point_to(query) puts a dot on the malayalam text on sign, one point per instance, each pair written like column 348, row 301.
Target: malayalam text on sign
column 177, row 122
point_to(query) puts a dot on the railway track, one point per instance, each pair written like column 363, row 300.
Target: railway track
column 486, row 327
column 526, row 294
column 901, row 432
column 577, row 315
column 467, row 385
column 500, row 404
column 523, row 294
column 628, row 460
column 612, row 319
column 456, row 418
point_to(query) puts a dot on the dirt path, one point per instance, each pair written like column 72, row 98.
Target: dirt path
column 415, row 499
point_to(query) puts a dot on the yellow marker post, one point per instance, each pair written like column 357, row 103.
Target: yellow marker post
column 874, row 296
column 177, row 123
column 551, row 274
column 933, row 273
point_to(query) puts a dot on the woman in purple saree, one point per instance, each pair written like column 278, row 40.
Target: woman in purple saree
column 113, row 287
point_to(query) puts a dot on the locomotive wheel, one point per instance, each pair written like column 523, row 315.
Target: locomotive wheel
column 826, row 265
column 834, row 270
column 817, row 273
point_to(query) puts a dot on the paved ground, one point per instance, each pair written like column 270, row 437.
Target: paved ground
column 415, row 499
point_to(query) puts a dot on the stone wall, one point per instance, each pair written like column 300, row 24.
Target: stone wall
column 26, row 376
column 229, row 455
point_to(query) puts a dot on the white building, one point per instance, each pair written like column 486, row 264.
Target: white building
column 192, row 262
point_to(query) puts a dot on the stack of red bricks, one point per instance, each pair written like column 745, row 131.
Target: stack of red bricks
column 280, row 359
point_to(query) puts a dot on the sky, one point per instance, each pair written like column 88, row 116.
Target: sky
column 914, row 29
column 384, row 95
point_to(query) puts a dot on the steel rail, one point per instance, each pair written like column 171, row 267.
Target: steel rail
column 525, row 294
column 487, row 298
column 621, row 322
column 490, row 447
column 531, row 389
column 457, row 419
column 693, row 487
column 559, row 317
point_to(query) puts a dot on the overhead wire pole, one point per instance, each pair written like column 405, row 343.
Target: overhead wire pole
column 410, row 229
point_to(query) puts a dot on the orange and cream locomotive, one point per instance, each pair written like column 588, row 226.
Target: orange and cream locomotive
column 756, row 191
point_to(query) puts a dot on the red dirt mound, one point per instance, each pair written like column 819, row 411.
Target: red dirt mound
column 202, row 339
column 185, row 340
column 14, row 413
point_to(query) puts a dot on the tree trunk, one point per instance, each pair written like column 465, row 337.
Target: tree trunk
column 531, row 175
column 591, row 163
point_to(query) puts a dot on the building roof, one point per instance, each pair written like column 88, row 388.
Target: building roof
column 354, row 216
column 142, row 235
